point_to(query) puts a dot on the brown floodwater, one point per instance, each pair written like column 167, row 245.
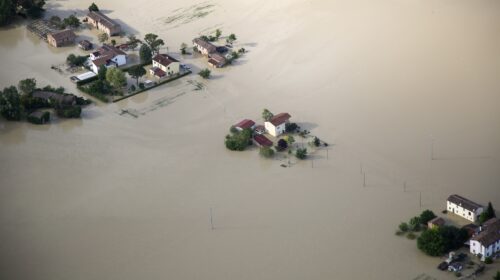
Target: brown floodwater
column 403, row 91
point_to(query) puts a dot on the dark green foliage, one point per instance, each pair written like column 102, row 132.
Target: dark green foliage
column 153, row 42
column 404, row 227
column 71, row 21
column 301, row 153
column 137, row 72
column 238, row 141
column 242, row 50
column 488, row 260
column 145, row 53
column 487, row 214
column 218, row 33
column 101, row 73
column 68, row 111
column 415, row 224
column 411, row 235
column 438, row 241
column 316, row 142
column 204, row 38
column 141, row 85
column 266, row 152
column 267, row 115
column 497, row 276
column 205, row 73
column 93, row 8
column 31, row 103
column 132, row 42
column 10, row 104
column 45, row 118
column 74, row 60
column 426, row 216
column 7, row 11
column 289, row 127
column 27, row 86
column 281, row 145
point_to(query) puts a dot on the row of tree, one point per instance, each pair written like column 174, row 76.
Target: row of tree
column 9, row 9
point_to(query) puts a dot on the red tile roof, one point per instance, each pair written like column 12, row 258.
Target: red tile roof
column 262, row 140
column 158, row 72
column 244, row 124
column 164, row 59
column 280, row 118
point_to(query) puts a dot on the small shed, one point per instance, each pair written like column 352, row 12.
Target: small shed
column 436, row 222
column 85, row 45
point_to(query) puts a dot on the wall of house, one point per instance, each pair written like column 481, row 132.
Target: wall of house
column 171, row 69
column 462, row 212
column 120, row 59
column 271, row 129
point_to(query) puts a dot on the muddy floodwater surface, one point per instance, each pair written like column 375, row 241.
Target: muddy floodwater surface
column 403, row 91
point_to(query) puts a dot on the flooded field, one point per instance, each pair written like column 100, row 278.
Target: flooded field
column 404, row 91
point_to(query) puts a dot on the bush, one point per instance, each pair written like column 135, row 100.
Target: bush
column 488, row 260
column 316, row 142
column 291, row 127
column 266, row 152
column 74, row 60
column 238, row 141
column 458, row 274
column 141, row 85
column 415, row 224
column 205, row 73
column 301, row 153
column 497, row 276
column 282, row 145
column 69, row 111
column 426, row 216
column 438, row 241
column 404, row 227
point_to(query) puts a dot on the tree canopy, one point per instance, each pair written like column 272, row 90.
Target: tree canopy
column 238, row 141
column 487, row 214
column 441, row 240
column 115, row 77
column 10, row 104
column 426, row 216
column 136, row 72
column 153, row 42
column 27, row 86
column 30, row 8
column 93, row 8
column 145, row 53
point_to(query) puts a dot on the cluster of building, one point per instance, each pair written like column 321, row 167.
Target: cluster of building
column 107, row 55
column 214, row 53
column 485, row 239
column 276, row 126
column 164, row 66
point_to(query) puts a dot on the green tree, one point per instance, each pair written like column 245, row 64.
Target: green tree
column 205, row 73
column 103, row 37
column 403, row 227
column 7, row 11
column 27, row 86
column 238, row 141
column 218, row 33
column 72, row 21
column 101, row 73
column 93, row 8
column 301, row 153
column 231, row 38
column 426, row 216
column 289, row 140
column 487, row 214
column 145, row 54
column 115, row 77
column 267, row 115
column 431, row 242
column 113, row 42
column 136, row 72
column 132, row 42
column 10, row 104
column 153, row 42
column 415, row 224
column 316, row 142
column 183, row 48
column 266, row 152
column 497, row 276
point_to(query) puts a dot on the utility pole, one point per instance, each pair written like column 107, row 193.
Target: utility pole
column 364, row 179
column 404, row 187
column 420, row 199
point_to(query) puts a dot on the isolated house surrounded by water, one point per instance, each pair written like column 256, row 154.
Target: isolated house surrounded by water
column 204, row 47
column 487, row 242
column 108, row 56
column 464, row 207
column 104, row 23
column 217, row 60
column 245, row 124
column 61, row 38
column 164, row 65
column 277, row 124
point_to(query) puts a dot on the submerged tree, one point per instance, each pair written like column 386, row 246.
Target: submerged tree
column 487, row 214
column 116, row 77
column 205, row 73
column 10, row 104
column 136, row 72
column 103, row 37
column 93, row 8
column 267, row 115
column 145, row 54
column 153, row 42
column 27, row 86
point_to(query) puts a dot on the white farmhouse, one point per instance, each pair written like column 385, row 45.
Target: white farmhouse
column 164, row 65
column 108, row 56
column 487, row 242
column 464, row 207
column 277, row 124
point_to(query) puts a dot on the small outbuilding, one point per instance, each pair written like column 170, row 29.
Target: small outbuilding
column 61, row 38
column 436, row 222
column 245, row 124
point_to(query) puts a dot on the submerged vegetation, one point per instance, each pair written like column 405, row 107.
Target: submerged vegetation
column 9, row 9
column 25, row 101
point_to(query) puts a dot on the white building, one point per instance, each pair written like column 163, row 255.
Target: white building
column 487, row 242
column 464, row 207
column 108, row 56
column 164, row 65
column 277, row 124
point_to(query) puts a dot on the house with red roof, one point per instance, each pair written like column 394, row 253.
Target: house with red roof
column 277, row 124
column 164, row 65
column 108, row 56
column 262, row 141
column 245, row 124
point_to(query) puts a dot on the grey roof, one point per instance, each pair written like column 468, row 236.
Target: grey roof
column 206, row 45
column 65, row 99
column 464, row 202
column 102, row 19
column 490, row 234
